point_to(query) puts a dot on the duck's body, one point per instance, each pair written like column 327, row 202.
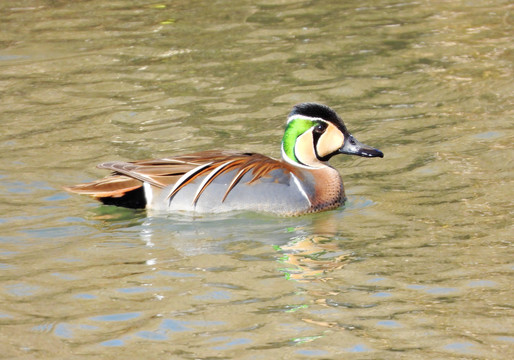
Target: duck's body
column 219, row 181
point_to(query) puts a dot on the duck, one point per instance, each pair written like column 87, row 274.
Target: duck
column 216, row 181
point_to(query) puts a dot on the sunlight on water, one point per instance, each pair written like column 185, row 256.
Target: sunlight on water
column 416, row 265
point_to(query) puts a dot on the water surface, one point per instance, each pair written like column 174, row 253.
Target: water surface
column 417, row 265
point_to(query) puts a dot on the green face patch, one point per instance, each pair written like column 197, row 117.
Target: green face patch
column 295, row 128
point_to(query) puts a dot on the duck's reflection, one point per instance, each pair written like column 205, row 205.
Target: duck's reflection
column 309, row 248
column 312, row 258
column 314, row 251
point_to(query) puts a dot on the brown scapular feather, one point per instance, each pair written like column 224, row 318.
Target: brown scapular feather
column 129, row 176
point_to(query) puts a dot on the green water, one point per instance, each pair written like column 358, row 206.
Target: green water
column 419, row 263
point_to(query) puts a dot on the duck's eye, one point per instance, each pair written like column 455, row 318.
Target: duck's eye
column 320, row 128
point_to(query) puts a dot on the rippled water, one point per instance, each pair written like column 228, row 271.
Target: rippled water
column 418, row 265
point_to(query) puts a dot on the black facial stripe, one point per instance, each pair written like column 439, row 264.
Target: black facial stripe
column 327, row 157
column 315, row 138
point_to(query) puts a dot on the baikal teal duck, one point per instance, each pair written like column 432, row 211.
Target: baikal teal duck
column 218, row 181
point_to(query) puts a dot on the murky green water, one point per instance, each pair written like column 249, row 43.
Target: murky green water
column 419, row 263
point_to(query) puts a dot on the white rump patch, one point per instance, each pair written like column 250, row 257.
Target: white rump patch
column 148, row 193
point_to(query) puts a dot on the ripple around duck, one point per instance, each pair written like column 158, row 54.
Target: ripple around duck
column 416, row 261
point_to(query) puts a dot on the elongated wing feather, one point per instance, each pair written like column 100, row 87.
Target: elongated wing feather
column 111, row 186
column 180, row 171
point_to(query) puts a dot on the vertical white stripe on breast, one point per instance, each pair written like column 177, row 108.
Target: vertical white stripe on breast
column 300, row 188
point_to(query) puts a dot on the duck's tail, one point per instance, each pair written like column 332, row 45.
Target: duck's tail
column 119, row 190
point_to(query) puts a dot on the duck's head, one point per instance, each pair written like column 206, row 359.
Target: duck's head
column 314, row 133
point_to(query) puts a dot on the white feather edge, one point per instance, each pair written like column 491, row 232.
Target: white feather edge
column 186, row 176
column 212, row 174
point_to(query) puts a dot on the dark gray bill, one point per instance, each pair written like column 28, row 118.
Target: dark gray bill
column 352, row 146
